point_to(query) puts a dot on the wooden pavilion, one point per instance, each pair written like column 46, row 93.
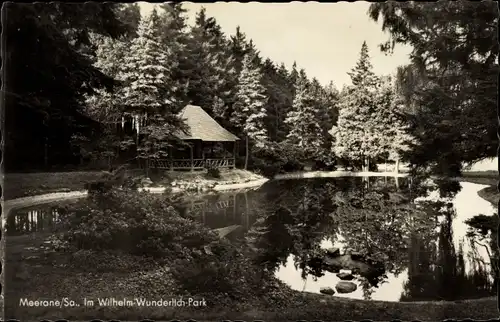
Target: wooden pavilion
column 208, row 144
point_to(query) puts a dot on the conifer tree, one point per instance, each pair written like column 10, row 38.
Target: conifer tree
column 212, row 72
column 355, row 135
column 303, row 119
column 148, row 97
column 174, row 36
column 249, row 110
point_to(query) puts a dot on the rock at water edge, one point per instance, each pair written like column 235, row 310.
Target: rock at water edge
column 327, row 290
column 345, row 276
column 345, row 287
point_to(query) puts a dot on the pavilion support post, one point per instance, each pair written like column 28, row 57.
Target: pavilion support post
column 192, row 158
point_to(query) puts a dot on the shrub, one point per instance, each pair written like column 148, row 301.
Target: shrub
column 134, row 222
column 213, row 172
column 277, row 158
column 229, row 275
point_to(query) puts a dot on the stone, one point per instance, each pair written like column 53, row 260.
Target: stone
column 327, row 290
column 345, row 276
column 333, row 251
column 345, row 287
column 146, row 182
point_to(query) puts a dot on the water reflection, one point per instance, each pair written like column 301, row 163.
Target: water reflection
column 36, row 219
column 424, row 245
column 32, row 221
column 409, row 240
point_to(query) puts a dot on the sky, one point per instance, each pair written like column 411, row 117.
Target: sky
column 323, row 38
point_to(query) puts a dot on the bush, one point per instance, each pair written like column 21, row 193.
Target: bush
column 134, row 222
column 229, row 275
column 277, row 158
column 213, row 172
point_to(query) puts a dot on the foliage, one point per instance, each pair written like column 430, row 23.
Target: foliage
column 277, row 158
column 304, row 119
column 148, row 94
column 392, row 122
column 249, row 109
column 208, row 67
column 137, row 223
column 454, row 65
column 213, row 172
column 227, row 276
column 48, row 60
column 356, row 136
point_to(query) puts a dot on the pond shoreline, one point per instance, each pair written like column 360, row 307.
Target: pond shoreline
column 336, row 174
column 61, row 196
column 28, row 201
column 216, row 188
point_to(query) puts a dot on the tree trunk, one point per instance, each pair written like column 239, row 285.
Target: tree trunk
column 246, row 152
column 396, row 167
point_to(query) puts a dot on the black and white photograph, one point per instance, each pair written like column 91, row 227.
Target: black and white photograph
column 234, row 161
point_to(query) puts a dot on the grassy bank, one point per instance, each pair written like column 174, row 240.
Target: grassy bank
column 481, row 177
column 18, row 185
column 490, row 178
column 490, row 194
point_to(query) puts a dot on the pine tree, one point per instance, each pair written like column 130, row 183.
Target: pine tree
column 249, row 111
column 148, row 97
column 238, row 47
column 174, row 36
column 355, row 135
column 212, row 74
column 303, row 119
column 287, row 93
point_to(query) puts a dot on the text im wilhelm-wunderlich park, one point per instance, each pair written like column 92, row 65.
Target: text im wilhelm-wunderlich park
column 128, row 302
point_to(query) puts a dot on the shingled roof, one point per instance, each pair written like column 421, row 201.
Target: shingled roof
column 203, row 127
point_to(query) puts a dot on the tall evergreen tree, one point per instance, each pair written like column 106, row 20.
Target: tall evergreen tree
column 303, row 119
column 211, row 67
column 249, row 111
column 148, row 96
column 356, row 136
column 174, row 36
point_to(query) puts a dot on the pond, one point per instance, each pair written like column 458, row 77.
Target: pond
column 404, row 240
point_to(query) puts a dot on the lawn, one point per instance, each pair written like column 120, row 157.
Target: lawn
column 490, row 178
column 18, row 185
column 481, row 177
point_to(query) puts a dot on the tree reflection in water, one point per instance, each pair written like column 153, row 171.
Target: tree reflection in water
column 381, row 223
